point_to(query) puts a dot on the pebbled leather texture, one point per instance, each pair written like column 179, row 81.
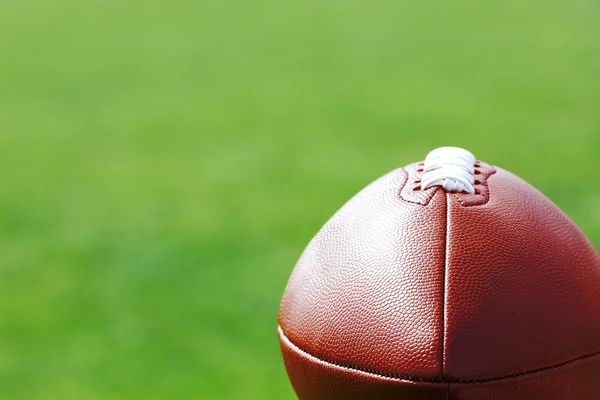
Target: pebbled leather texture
column 356, row 296
column 445, row 296
column 525, row 292
column 318, row 380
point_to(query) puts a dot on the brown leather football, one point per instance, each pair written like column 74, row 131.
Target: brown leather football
column 448, row 279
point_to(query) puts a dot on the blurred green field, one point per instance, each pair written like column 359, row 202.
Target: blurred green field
column 163, row 164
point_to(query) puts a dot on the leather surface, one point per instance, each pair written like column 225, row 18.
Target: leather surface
column 523, row 285
column 471, row 296
column 367, row 292
column 317, row 380
column 577, row 380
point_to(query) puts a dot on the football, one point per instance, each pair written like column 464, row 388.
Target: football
column 445, row 279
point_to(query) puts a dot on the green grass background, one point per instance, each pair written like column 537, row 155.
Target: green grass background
column 163, row 164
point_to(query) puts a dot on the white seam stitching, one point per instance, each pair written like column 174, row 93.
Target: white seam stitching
column 446, row 258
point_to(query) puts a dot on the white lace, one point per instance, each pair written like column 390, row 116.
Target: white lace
column 452, row 168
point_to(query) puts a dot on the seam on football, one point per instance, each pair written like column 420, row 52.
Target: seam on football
column 416, row 379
